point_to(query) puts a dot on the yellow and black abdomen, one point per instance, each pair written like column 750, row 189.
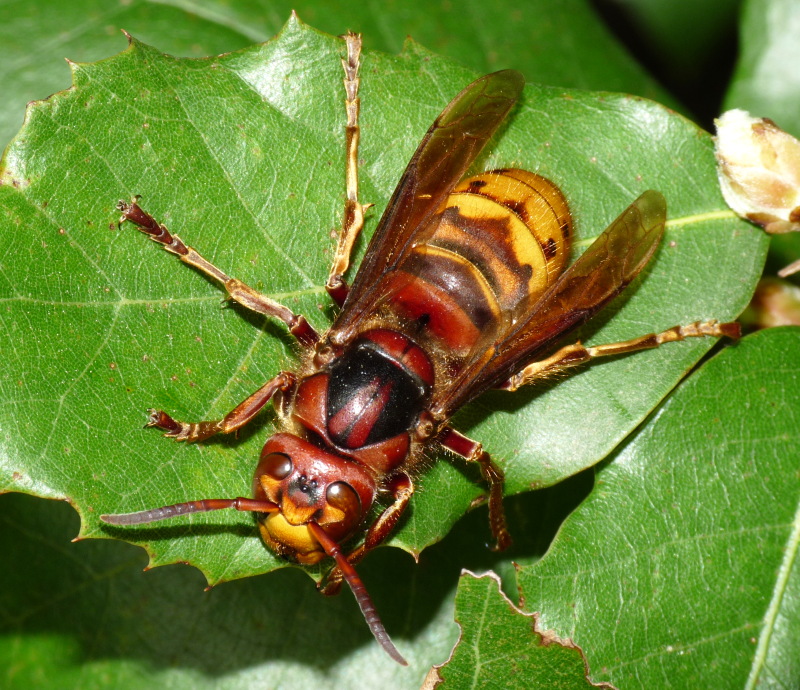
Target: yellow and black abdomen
column 500, row 237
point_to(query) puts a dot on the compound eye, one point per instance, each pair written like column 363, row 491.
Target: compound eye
column 277, row 465
column 342, row 496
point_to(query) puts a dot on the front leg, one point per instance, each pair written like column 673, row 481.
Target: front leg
column 236, row 289
column 235, row 419
column 472, row 451
column 402, row 489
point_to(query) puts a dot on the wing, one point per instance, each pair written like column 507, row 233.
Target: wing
column 451, row 144
column 614, row 259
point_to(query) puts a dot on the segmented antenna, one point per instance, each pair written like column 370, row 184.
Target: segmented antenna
column 359, row 591
column 165, row 512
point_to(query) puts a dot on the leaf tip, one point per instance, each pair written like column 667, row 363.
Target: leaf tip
column 413, row 48
column 75, row 69
column 133, row 43
column 293, row 25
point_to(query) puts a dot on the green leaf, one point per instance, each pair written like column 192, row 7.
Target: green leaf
column 560, row 43
column 505, row 648
column 37, row 35
column 766, row 81
column 690, row 540
column 681, row 566
column 242, row 156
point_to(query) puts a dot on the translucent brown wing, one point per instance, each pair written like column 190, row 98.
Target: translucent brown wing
column 451, row 144
column 600, row 274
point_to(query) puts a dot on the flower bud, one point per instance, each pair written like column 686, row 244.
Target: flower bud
column 775, row 303
column 759, row 170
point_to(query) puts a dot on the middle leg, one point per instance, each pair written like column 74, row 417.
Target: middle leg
column 472, row 451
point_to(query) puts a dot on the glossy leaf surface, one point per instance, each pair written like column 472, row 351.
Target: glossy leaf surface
column 682, row 567
column 765, row 81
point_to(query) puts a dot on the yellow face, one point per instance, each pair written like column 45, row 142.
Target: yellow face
column 287, row 533
column 290, row 540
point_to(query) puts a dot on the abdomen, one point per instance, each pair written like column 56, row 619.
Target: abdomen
column 500, row 237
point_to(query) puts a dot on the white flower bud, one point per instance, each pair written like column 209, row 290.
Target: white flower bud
column 759, row 170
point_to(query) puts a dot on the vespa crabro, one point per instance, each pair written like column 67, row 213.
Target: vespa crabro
column 464, row 288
